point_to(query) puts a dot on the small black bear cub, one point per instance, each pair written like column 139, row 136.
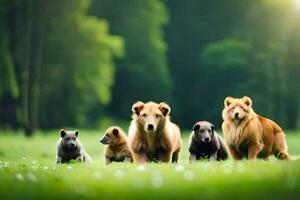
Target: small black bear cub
column 69, row 148
column 206, row 144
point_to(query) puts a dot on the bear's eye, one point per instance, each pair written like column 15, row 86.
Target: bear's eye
column 106, row 134
column 144, row 115
column 158, row 115
column 243, row 108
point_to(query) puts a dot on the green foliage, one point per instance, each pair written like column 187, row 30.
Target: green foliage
column 143, row 73
column 228, row 54
column 28, row 171
column 81, row 62
column 80, row 65
column 8, row 81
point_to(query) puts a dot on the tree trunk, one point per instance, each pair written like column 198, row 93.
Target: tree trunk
column 25, row 69
column 21, row 14
column 38, row 44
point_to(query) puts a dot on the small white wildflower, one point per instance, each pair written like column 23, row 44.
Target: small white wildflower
column 141, row 168
column 119, row 174
column 32, row 177
column 45, row 168
column 34, row 162
column 189, row 175
column 19, row 177
column 6, row 164
column 157, row 181
column 23, row 158
column 34, row 167
column 179, row 168
column 156, row 173
column 70, row 167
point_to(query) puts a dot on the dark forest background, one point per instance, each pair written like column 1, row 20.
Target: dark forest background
column 81, row 62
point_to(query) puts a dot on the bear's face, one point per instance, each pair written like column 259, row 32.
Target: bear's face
column 69, row 138
column 203, row 131
column 237, row 108
column 150, row 116
column 111, row 137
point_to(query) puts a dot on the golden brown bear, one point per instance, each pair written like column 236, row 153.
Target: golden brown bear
column 152, row 136
column 250, row 135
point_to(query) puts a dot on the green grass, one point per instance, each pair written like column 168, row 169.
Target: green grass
column 28, row 171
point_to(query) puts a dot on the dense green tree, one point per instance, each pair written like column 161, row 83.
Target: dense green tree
column 9, row 91
column 80, row 71
column 60, row 65
column 143, row 73
column 56, row 49
column 193, row 25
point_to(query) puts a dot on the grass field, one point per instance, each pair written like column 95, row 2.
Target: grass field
column 28, row 171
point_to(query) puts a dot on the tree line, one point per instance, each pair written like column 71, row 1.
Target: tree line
column 74, row 62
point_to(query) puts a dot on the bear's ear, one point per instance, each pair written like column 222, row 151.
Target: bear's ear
column 196, row 127
column 247, row 101
column 228, row 101
column 137, row 107
column 164, row 108
column 212, row 128
column 62, row 133
column 115, row 131
column 76, row 133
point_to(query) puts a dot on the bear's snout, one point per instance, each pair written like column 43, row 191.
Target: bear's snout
column 104, row 140
column 236, row 115
column 72, row 145
column 150, row 127
column 207, row 139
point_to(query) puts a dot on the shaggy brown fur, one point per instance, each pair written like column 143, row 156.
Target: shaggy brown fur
column 117, row 149
column 205, row 143
column 69, row 148
column 250, row 135
column 152, row 136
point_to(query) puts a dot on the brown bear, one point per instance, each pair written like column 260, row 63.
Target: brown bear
column 117, row 149
column 205, row 143
column 250, row 135
column 152, row 136
column 69, row 148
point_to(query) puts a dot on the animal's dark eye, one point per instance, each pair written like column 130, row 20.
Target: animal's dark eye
column 144, row 115
column 209, row 131
column 201, row 131
column 158, row 115
column 106, row 134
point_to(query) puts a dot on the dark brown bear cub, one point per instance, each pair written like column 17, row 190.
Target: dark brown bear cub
column 206, row 144
column 69, row 148
column 117, row 149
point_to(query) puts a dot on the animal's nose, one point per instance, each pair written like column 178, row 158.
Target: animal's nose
column 150, row 127
column 206, row 139
column 236, row 115
column 72, row 144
